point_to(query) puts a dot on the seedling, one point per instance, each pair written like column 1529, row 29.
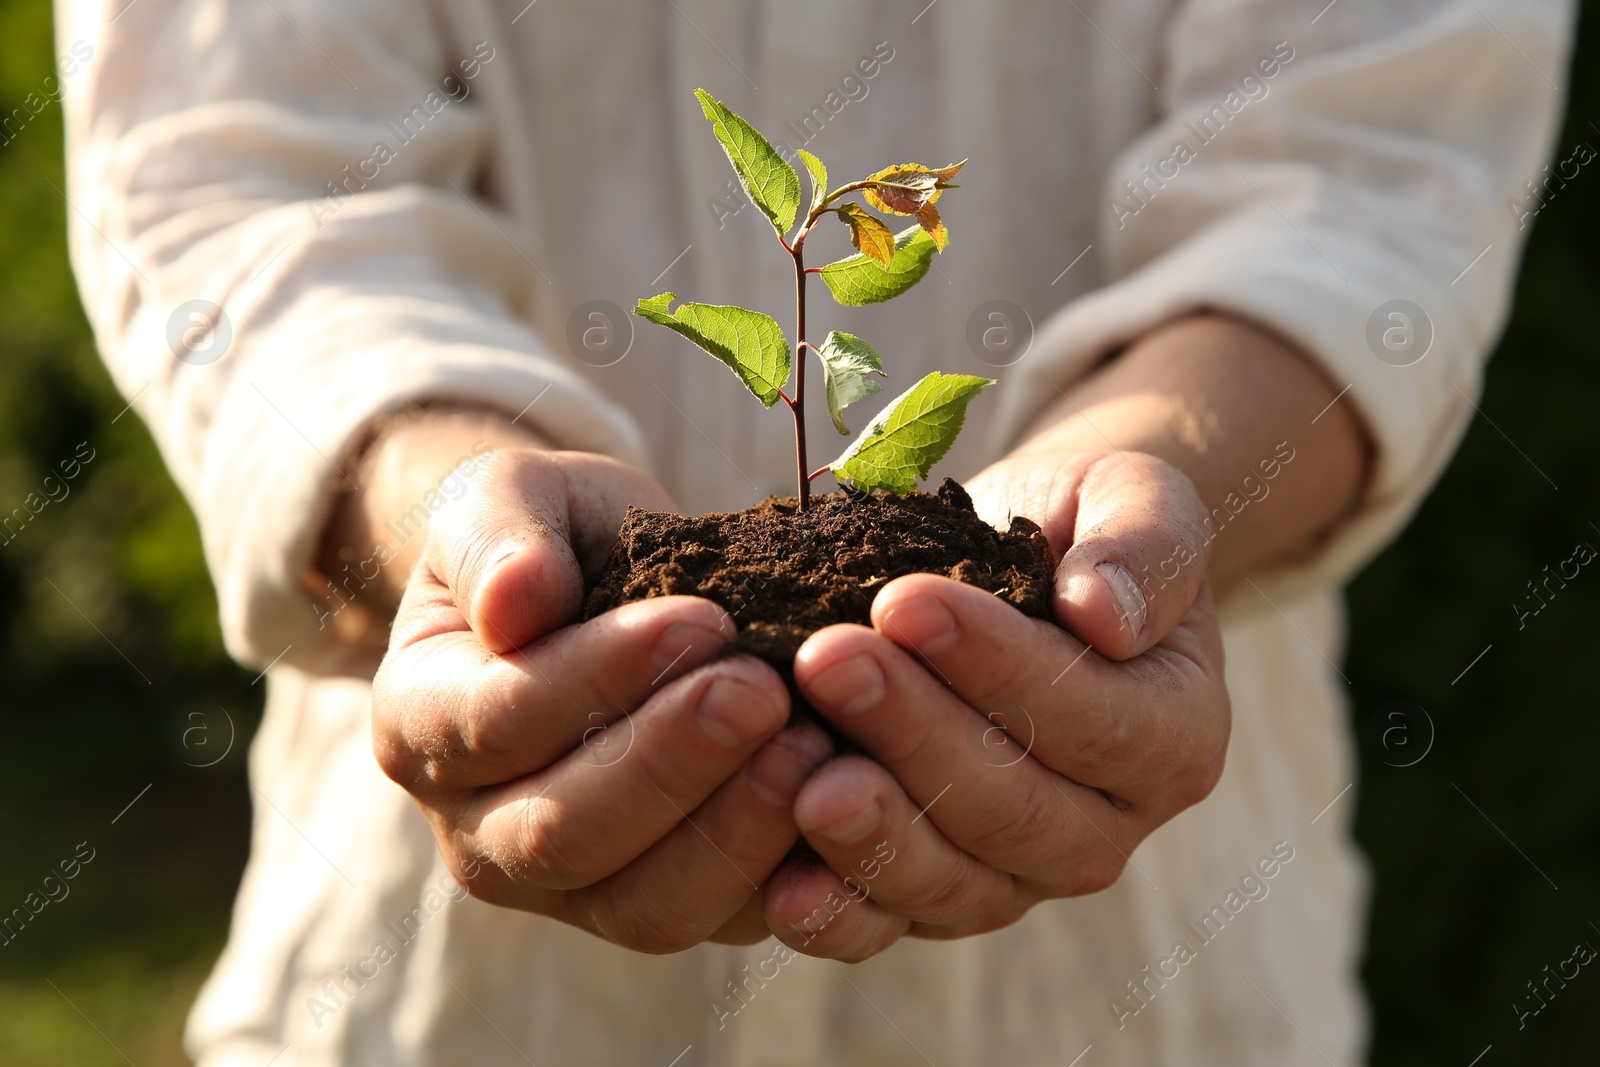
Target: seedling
column 912, row 434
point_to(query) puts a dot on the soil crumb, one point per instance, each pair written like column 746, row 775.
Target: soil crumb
column 782, row 574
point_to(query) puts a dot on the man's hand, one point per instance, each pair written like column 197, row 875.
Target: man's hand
column 617, row 774
column 1011, row 762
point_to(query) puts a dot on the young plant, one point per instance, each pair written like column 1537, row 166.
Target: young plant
column 911, row 434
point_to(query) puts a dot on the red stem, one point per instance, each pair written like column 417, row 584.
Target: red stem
column 799, row 405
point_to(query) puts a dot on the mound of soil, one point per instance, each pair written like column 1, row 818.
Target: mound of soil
column 783, row 574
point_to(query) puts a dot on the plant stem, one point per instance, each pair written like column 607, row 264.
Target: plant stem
column 799, row 405
column 796, row 248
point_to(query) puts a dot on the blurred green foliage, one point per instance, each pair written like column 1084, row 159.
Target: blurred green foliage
column 109, row 646
column 1462, row 920
column 108, row 642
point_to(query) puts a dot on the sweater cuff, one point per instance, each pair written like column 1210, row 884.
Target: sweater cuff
column 276, row 447
column 1414, row 398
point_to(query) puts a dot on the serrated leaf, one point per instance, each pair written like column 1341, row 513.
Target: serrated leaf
column 906, row 188
column 909, row 436
column 819, row 177
column 860, row 279
column 868, row 233
column 768, row 180
column 848, row 364
column 750, row 343
column 933, row 226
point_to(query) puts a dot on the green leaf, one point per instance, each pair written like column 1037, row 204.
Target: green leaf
column 862, row 280
column 868, row 233
column 750, row 343
column 768, row 180
column 847, row 365
column 910, row 435
column 819, row 177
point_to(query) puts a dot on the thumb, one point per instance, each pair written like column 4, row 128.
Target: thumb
column 1139, row 559
column 503, row 550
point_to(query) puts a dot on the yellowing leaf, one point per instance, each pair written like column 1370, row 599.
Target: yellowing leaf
column 750, row 343
column 870, row 236
column 819, row 177
column 860, row 279
column 848, row 363
column 933, row 226
column 906, row 188
column 909, row 436
column 768, row 180
column 906, row 439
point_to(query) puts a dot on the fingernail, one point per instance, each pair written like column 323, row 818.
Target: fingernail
column 734, row 714
column 924, row 623
column 776, row 773
column 850, row 686
column 683, row 645
column 853, row 827
column 1129, row 596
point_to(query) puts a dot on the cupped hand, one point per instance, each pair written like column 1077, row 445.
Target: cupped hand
column 619, row 774
column 1010, row 760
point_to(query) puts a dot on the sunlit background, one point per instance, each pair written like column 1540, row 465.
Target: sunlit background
column 1484, row 852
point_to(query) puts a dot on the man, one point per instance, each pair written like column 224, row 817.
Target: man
column 1265, row 249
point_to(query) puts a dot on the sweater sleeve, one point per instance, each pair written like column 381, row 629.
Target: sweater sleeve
column 1354, row 182
column 278, row 238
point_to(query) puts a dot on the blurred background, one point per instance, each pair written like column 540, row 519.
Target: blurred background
column 125, row 726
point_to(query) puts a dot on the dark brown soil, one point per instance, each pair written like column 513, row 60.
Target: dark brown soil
column 782, row 574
